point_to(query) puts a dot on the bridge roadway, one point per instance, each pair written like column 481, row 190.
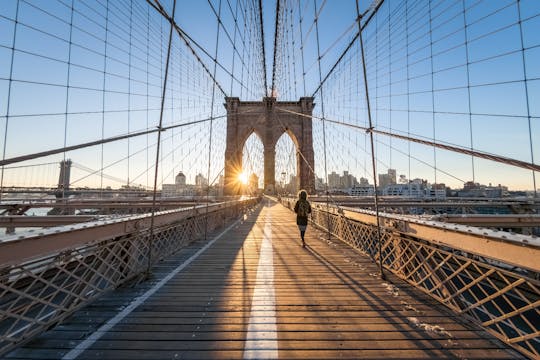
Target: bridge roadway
column 254, row 292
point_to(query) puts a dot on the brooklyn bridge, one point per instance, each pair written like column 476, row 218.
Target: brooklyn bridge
column 152, row 153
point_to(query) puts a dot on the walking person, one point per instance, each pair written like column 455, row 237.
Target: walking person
column 302, row 208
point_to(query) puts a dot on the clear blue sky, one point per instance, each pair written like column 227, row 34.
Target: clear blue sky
column 429, row 77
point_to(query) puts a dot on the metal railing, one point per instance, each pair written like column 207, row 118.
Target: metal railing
column 46, row 277
column 490, row 277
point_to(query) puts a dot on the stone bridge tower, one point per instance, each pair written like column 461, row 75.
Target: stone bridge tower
column 269, row 123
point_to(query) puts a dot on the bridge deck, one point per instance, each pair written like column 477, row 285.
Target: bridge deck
column 236, row 301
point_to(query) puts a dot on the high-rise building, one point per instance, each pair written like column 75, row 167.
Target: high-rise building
column 334, row 180
column 347, row 180
column 387, row 179
column 200, row 181
column 180, row 179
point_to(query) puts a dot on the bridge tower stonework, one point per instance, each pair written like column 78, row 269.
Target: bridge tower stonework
column 265, row 119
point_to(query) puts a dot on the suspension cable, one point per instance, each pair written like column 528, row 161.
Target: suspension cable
column 99, row 142
column 104, row 83
column 261, row 25
column 526, row 94
column 276, row 35
column 322, row 113
column 376, row 197
column 302, row 49
column 188, row 41
column 211, row 126
column 453, row 148
column 154, row 193
column 349, row 46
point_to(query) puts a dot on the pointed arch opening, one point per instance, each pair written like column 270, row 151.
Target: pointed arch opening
column 286, row 164
column 251, row 176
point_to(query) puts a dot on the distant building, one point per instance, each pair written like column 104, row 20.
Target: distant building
column 343, row 182
column 472, row 189
column 416, row 189
column 334, row 181
column 319, row 184
column 179, row 188
column 362, row 190
column 292, row 186
column 387, row 179
column 180, row 179
column 347, row 180
column 201, row 181
column 411, row 190
column 168, row 190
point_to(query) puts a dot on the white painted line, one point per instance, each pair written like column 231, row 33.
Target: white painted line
column 96, row 335
column 262, row 337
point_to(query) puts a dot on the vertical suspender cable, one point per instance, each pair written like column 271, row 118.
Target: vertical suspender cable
column 103, row 97
column 261, row 24
column 468, row 87
column 376, row 196
column 302, row 48
column 390, row 81
column 323, row 120
column 293, row 57
column 129, row 89
column 151, row 238
column 212, row 123
column 234, row 47
column 64, row 170
column 243, row 52
column 147, row 90
column 526, row 84
column 9, row 95
column 276, row 34
column 432, row 88
column 408, row 94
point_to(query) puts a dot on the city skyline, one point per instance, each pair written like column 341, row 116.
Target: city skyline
column 71, row 75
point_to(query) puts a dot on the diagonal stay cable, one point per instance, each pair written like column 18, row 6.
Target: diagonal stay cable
column 99, row 142
column 453, row 148
column 189, row 41
column 351, row 43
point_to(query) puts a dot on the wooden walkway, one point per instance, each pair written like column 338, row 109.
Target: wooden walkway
column 237, row 301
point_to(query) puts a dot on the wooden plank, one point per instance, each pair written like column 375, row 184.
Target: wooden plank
column 224, row 343
column 158, row 354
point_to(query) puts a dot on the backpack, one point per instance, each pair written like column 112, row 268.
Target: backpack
column 303, row 208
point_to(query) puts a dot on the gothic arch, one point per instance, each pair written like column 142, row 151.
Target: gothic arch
column 265, row 119
column 288, row 137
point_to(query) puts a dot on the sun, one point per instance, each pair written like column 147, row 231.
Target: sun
column 243, row 178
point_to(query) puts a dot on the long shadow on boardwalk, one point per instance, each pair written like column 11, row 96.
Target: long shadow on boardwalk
column 378, row 303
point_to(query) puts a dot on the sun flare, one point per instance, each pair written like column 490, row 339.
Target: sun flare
column 243, row 178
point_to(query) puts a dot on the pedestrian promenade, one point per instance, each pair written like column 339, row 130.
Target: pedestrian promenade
column 252, row 292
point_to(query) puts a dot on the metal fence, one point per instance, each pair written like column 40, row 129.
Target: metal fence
column 498, row 290
column 40, row 286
